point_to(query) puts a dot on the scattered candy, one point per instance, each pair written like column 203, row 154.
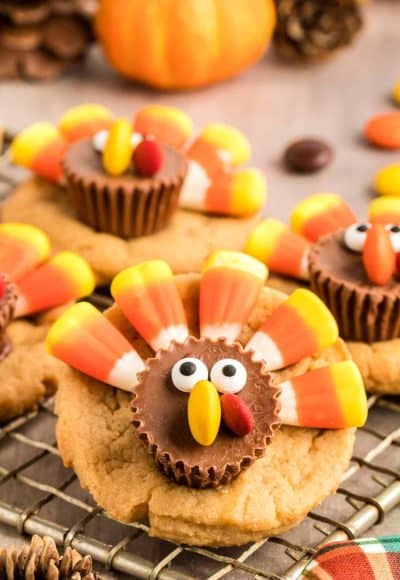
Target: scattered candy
column 117, row 152
column 22, row 248
column 204, row 413
column 228, row 143
column 148, row 158
column 321, row 214
column 384, row 130
column 64, row 277
column 396, row 93
column 387, row 180
column 229, row 287
column 169, row 125
column 326, row 398
column 236, row 415
column 283, row 251
column 84, row 121
column 378, row 255
column 87, row 341
column 40, row 148
column 384, row 210
column 301, row 326
column 308, row 155
column 149, row 298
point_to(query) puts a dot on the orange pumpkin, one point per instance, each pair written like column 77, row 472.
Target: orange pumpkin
column 184, row 43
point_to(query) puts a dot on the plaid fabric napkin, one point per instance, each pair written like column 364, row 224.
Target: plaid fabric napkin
column 364, row 559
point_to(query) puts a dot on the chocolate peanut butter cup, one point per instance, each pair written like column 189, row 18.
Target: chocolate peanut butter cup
column 365, row 311
column 8, row 298
column 128, row 206
column 161, row 423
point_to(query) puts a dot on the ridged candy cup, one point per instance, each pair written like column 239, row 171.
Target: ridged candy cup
column 128, row 205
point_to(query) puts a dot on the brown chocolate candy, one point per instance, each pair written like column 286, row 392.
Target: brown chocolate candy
column 308, row 155
column 161, row 423
column 364, row 311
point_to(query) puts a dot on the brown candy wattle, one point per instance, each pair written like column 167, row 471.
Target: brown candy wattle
column 308, row 155
column 160, row 417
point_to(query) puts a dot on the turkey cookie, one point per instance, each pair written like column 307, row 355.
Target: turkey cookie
column 121, row 192
column 232, row 409
column 356, row 278
column 33, row 287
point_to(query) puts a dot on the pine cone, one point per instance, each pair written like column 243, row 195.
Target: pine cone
column 41, row 38
column 41, row 561
column 310, row 30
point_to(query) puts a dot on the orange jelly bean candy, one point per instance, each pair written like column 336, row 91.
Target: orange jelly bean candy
column 384, row 130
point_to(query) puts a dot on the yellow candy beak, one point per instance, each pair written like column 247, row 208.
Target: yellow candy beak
column 204, row 413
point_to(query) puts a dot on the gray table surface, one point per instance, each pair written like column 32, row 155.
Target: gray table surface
column 273, row 104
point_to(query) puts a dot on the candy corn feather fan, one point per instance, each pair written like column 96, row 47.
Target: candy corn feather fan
column 215, row 181
column 332, row 397
column 42, row 281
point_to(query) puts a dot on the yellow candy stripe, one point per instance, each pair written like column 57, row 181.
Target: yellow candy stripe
column 31, row 141
column 29, row 235
column 263, row 240
column 384, row 210
column 117, row 153
column 146, row 273
column 236, row 261
column 82, row 114
column 316, row 316
column 229, row 140
column 249, row 192
column 350, row 391
column 168, row 124
column 387, row 180
column 204, row 413
column 79, row 269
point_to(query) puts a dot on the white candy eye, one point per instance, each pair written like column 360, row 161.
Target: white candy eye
column 99, row 140
column 355, row 236
column 228, row 375
column 187, row 372
column 394, row 232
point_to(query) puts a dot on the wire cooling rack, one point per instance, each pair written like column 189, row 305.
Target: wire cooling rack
column 38, row 495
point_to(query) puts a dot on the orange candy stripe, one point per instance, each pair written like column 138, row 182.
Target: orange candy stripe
column 330, row 414
column 93, row 349
column 150, row 310
column 227, row 296
column 302, row 337
column 163, row 129
column 47, row 163
column 46, row 287
column 288, row 255
column 218, row 197
column 328, row 222
column 207, row 156
column 16, row 258
column 86, row 129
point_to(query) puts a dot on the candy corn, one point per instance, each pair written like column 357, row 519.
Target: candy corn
column 229, row 288
column 238, row 194
column 280, row 249
column 379, row 257
column 84, row 121
column 168, row 125
column 22, row 248
column 40, row 148
column 326, row 398
column 118, row 148
column 64, row 277
column 301, row 326
column 87, row 341
column 204, row 413
column 384, row 210
column 321, row 214
column 218, row 141
column 149, row 298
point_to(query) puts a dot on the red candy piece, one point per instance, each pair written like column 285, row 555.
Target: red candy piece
column 236, row 415
column 398, row 263
column 2, row 288
column 148, row 157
